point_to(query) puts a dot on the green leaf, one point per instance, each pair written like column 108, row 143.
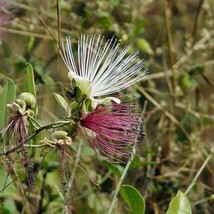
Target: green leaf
column 133, row 198
column 61, row 101
column 136, row 162
column 188, row 82
column 143, row 45
column 179, row 204
column 7, row 187
column 7, row 96
column 29, row 84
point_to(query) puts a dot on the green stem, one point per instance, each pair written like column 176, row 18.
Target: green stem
column 120, row 182
column 200, row 171
column 211, row 197
column 37, row 131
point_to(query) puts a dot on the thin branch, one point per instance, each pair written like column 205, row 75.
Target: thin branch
column 58, row 21
column 210, row 155
column 167, row 13
column 121, row 181
column 168, row 114
column 48, row 126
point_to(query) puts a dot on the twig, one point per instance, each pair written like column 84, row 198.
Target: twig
column 198, row 115
column 170, row 42
column 168, row 114
column 71, row 180
column 210, row 155
column 25, row 33
column 211, row 197
column 81, row 169
column 58, row 21
column 195, row 25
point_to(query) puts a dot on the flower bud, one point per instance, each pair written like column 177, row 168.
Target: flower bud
column 57, row 135
column 28, row 98
column 61, row 137
column 21, row 103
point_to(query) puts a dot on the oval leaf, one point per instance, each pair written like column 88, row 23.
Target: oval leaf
column 29, row 84
column 61, row 101
column 179, row 204
column 133, row 198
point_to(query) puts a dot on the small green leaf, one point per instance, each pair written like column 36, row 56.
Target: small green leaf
column 7, row 96
column 136, row 162
column 188, row 82
column 179, row 204
column 133, row 198
column 143, row 45
column 61, row 101
column 29, row 84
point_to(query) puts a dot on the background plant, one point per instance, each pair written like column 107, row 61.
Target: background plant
column 175, row 39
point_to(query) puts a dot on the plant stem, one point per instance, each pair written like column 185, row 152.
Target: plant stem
column 37, row 131
column 120, row 182
column 25, row 33
column 167, row 12
column 210, row 155
column 71, row 180
column 58, row 21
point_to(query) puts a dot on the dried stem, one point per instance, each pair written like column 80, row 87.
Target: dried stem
column 170, row 42
column 210, row 155
column 58, row 21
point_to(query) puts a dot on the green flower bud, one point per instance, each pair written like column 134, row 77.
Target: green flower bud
column 28, row 98
column 21, row 103
column 61, row 137
column 57, row 135
column 84, row 85
column 29, row 112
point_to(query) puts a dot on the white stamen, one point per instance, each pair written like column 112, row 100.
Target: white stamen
column 108, row 68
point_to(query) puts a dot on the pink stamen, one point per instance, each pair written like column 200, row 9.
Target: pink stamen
column 117, row 128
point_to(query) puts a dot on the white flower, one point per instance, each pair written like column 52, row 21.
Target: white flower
column 102, row 68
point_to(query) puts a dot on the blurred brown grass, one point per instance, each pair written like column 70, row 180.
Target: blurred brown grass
column 175, row 39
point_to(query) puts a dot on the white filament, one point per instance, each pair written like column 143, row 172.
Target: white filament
column 108, row 68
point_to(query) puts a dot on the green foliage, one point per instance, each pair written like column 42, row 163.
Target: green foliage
column 178, row 119
column 6, row 184
column 133, row 198
column 62, row 102
column 179, row 205
column 7, row 96
column 143, row 45
column 29, row 84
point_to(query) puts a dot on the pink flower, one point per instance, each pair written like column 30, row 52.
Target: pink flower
column 17, row 127
column 115, row 129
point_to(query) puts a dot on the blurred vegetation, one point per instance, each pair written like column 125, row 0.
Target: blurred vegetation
column 176, row 40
